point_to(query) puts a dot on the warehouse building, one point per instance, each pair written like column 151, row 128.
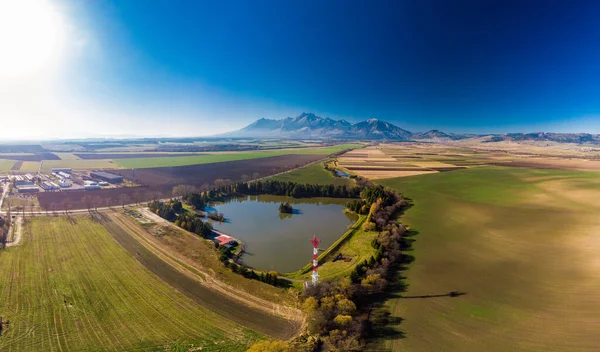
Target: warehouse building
column 105, row 176
column 67, row 170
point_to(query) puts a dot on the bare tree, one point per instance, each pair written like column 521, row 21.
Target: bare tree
column 255, row 176
column 109, row 202
column 244, row 178
column 97, row 201
column 183, row 190
column 67, row 205
column 8, row 210
column 136, row 197
column 87, row 202
column 123, row 198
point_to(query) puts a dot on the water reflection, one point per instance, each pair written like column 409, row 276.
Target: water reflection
column 280, row 241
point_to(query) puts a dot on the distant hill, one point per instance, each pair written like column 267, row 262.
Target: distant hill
column 577, row 138
column 309, row 125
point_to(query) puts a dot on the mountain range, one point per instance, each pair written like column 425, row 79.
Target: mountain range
column 311, row 126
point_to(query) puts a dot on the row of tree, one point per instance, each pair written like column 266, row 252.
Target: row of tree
column 172, row 211
column 339, row 311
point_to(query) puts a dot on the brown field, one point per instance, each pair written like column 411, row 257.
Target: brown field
column 30, row 157
column 89, row 156
column 159, row 182
column 409, row 159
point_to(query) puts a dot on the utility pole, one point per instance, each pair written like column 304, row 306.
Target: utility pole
column 315, row 270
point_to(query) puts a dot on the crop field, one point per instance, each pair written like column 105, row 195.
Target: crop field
column 200, row 257
column 521, row 244
column 70, row 287
column 314, row 174
column 412, row 159
column 6, row 165
column 78, row 164
column 29, row 156
column 130, row 155
column 159, row 182
column 30, row 166
column 169, row 161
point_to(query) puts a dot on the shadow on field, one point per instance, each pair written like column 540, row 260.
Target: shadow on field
column 382, row 326
column 449, row 294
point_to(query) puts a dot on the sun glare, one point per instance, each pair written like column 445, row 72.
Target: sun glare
column 31, row 36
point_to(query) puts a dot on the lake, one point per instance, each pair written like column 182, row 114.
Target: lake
column 277, row 241
column 341, row 173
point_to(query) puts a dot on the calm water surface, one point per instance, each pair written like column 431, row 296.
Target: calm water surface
column 281, row 242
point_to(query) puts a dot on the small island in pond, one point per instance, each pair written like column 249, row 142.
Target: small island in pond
column 285, row 208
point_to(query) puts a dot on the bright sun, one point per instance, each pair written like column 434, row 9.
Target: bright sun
column 31, row 36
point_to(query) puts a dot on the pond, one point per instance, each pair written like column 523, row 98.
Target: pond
column 277, row 241
column 341, row 173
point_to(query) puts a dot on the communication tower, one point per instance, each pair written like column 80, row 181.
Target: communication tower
column 315, row 270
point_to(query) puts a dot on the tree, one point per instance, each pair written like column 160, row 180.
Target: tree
column 136, row 197
column 87, row 202
column 97, row 200
column 183, row 190
column 123, row 199
column 342, row 320
column 67, row 205
column 310, row 305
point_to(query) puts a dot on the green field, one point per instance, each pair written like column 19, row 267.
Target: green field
column 314, row 174
column 140, row 163
column 30, row 166
column 6, row 165
column 70, row 287
column 78, row 164
column 521, row 244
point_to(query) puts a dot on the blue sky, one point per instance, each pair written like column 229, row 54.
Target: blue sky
column 203, row 67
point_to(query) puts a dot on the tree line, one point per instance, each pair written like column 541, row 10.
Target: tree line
column 172, row 211
column 339, row 312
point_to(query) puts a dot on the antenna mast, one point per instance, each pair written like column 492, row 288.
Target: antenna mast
column 315, row 273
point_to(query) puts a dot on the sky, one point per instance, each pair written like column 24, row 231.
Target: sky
column 102, row 68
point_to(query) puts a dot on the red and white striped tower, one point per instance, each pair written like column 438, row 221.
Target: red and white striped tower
column 315, row 273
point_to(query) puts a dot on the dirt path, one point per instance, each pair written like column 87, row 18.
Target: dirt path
column 250, row 311
column 273, row 308
column 16, row 229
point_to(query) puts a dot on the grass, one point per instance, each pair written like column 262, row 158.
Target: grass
column 521, row 243
column 70, row 286
column 6, row 165
column 30, row 166
column 67, row 156
column 201, row 254
column 78, row 164
column 140, row 163
column 355, row 243
column 313, row 174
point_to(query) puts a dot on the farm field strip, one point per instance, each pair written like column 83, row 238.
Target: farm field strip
column 209, row 298
column 6, row 165
column 30, row 166
column 140, row 163
column 313, row 174
column 71, row 287
column 78, row 164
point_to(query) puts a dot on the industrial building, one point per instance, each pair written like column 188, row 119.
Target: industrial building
column 49, row 186
column 27, row 189
column 64, row 169
column 105, row 176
